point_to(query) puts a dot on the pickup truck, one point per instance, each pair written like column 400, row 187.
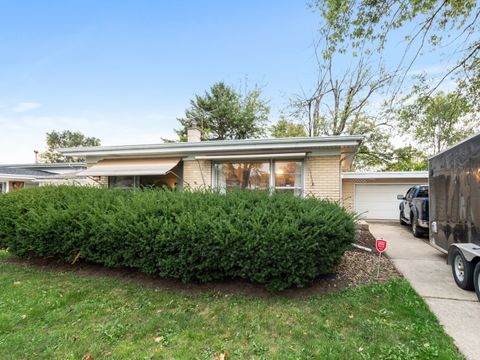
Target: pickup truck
column 414, row 209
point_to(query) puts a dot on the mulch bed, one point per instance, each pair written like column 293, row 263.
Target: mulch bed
column 358, row 267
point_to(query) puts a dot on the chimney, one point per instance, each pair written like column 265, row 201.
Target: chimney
column 194, row 134
column 36, row 156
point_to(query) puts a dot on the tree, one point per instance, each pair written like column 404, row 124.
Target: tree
column 338, row 106
column 284, row 128
column 223, row 113
column 407, row 158
column 64, row 139
column 365, row 26
column 338, row 97
column 375, row 152
column 469, row 85
column 438, row 121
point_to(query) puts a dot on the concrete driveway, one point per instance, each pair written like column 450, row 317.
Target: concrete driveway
column 426, row 269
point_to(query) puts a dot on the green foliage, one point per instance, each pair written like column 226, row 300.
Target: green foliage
column 408, row 158
column 448, row 29
column 360, row 22
column 64, row 139
column 223, row 113
column 274, row 239
column 469, row 86
column 438, row 121
column 376, row 149
column 284, row 128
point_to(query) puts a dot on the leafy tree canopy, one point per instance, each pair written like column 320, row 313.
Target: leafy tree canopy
column 223, row 113
column 284, row 128
column 376, row 149
column 407, row 158
column 439, row 121
column 64, row 139
column 365, row 26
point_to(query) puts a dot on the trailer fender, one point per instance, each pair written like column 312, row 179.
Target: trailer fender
column 470, row 251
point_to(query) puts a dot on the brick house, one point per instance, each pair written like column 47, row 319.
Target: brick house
column 317, row 166
column 303, row 166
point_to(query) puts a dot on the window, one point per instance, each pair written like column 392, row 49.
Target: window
column 243, row 175
column 3, row 187
column 288, row 176
column 146, row 181
column 282, row 175
column 157, row 181
column 410, row 193
column 423, row 192
column 121, row 182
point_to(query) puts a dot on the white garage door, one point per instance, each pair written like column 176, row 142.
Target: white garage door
column 379, row 201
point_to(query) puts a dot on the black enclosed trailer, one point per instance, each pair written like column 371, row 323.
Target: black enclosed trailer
column 454, row 182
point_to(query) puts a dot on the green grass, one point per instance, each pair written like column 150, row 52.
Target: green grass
column 54, row 315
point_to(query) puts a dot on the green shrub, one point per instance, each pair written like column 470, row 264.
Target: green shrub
column 274, row 239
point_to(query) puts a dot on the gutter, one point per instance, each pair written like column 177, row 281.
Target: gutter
column 215, row 146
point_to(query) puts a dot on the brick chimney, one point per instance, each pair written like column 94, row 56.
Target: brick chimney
column 194, row 134
column 35, row 152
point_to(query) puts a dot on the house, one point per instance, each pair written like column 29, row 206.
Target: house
column 317, row 166
column 300, row 166
column 18, row 176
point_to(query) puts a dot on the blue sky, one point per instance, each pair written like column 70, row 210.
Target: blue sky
column 124, row 71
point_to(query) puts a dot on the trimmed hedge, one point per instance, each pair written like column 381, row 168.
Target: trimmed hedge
column 274, row 239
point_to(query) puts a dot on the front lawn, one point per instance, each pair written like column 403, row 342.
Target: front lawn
column 61, row 315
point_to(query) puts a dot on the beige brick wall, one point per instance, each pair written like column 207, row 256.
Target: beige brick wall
column 348, row 194
column 322, row 177
column 348, row 187
column 103, row 181
column 197, row 174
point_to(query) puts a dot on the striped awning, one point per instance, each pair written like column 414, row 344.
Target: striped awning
column 125, row 167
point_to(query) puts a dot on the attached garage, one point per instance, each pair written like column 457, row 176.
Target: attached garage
column 374, row 195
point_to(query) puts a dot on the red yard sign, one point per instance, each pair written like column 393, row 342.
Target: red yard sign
column 381, row 245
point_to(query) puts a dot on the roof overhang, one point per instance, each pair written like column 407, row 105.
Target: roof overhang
column 13, row 177
column 296, row 155
column 218, row 147
column 122, row 167
column 386, row 175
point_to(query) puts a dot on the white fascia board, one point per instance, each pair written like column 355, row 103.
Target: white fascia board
column 386, row 175
column 189, row 149
column 7, row 177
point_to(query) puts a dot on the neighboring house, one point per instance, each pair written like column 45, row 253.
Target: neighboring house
column 302, row 166
column 18, row 176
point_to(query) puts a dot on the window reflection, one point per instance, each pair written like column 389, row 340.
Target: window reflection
column 288, row 173
column 243, row 175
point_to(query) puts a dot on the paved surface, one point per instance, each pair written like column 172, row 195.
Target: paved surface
column 426, row 269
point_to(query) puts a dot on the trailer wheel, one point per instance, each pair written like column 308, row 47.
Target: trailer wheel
column 462, row 270
column 476, row 280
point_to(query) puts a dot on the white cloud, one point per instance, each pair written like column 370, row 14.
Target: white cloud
column 22, row 107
